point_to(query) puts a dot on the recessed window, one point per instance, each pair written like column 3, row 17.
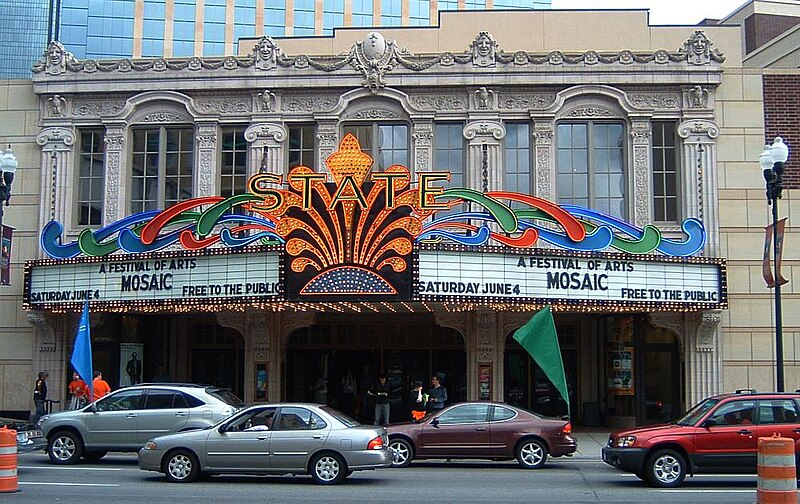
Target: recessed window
column 386, row 143
column 517, row 175
column 665, row 172
column 233, row 169
column 162, row 171
column 449, row 157
column 590, row 166
column 301, row 146
column 90, row 177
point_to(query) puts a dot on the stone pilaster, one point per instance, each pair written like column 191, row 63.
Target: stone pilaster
column 543, row 156
column 52, row 344
column 116, row 161
column 423, row 147
column 57, row 187
column 267, row 151
column 704, row 357
column 485, row 154
column 327, row 142
column 700, row 185
column 641, row 138
column 205, row 180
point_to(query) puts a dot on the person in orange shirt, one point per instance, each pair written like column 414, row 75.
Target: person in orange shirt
column 99, row 386
column 78, row 390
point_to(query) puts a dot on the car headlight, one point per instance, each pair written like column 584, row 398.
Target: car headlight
column 150, row 445
column 22, row 437
column 626, row 441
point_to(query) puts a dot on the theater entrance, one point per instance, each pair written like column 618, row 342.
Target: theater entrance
column 336, row 362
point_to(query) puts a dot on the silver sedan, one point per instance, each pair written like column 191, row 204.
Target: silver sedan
column 272, row 439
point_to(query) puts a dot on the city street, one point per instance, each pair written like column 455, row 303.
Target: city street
column 580, row 480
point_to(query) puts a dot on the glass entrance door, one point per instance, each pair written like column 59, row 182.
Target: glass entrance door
column 662, row 384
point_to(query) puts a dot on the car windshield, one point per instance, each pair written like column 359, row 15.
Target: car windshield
column 226, row 396
column 697, row 412
column 338, row 415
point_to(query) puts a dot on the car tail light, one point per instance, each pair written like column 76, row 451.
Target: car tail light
column 375, row 444
column 567, row 429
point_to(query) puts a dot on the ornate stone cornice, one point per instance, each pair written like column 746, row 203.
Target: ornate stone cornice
column 374, row 57
column 525, row 101
column 426, row 102
column 655, row 101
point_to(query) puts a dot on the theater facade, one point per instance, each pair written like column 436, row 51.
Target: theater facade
column 396, row 201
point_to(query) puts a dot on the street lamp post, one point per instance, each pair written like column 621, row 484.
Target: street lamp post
column 8, row 166
column 771, row 161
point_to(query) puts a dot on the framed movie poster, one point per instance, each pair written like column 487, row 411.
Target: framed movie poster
column 620, row 370
column 131, row 367
column 484, row 382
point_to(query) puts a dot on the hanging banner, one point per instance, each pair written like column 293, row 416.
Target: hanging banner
column 5, row 255
column 766, row 263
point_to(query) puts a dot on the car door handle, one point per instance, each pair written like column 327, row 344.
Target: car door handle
column 131, row 415
column 262, row 438
column 180, row 414
column 317, row 436
column 796, row 431
column 744, row 432
column 480, row 429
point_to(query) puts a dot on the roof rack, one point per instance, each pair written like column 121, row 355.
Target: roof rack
column 746, row 391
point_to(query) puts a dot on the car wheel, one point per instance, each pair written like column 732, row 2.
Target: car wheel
column 531, row 454
column 666, row 469
column 65, row 447
column 402, row 452
column 181, row 466
column 94, row 456
column 328, row 469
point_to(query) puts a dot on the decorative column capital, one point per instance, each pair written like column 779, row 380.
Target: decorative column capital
column 698, row 130
column 709, row 324
column 484, row 129
column 266, row 133
column 56, row 138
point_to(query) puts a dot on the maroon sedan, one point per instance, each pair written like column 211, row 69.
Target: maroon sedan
column 482, row 430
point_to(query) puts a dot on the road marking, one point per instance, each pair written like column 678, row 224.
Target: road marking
column 709, row 490
column 68, row 484
column 82, row 468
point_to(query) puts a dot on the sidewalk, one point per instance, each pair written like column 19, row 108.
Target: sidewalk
column 590, row 443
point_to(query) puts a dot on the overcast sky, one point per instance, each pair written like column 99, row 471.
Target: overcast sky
column 687, row 12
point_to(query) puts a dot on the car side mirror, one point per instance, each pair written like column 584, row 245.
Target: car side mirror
column 435, row 422
column 92, row 408
column 709, row 423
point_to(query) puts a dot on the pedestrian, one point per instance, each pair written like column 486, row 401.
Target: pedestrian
column 437, row 395
column 419, row 400
column 321, row 390
column 348, row 392
column 40, row 395
column 100, row 387
column 78, row 392
column 381, row 393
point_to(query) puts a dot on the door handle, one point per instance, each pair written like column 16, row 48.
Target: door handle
column 744, row 432
column 180, row 413
column 317, row 436
column 262, row 438
column 796, row 431
column 480, row 429
column 131, row 415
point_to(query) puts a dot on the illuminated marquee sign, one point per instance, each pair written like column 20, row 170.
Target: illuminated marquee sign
column 600, row 279
column 159, row 279
column 353, row 237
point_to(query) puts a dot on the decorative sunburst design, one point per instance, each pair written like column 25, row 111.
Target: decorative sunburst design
column 347, row 241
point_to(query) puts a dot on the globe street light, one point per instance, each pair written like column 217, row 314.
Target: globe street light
column 771, row 161
column 8, row 166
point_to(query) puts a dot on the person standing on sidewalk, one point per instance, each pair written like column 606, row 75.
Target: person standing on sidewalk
column 437, row 395
column 100, row 387
column 40, row 395
column 381, row 393
column 78, row 392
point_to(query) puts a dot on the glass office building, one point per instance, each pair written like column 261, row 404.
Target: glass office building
column 181, row 28
column 23, row 35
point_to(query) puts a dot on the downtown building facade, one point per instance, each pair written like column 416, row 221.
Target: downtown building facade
column 610, row 175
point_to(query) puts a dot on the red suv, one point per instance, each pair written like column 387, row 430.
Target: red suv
column 718, row 435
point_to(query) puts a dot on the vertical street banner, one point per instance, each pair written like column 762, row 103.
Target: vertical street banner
column 5, row 254
column 81, row 359
column 766, row 263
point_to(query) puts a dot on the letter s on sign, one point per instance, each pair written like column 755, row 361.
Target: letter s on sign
column 272, row 197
